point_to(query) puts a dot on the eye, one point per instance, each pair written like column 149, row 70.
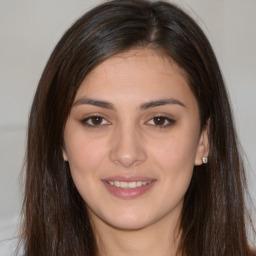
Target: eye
column 95, row 121
column 161, row 121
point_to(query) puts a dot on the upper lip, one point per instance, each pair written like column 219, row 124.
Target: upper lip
column 128, row 179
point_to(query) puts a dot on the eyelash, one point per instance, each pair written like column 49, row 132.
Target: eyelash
column 167, row 121
column 88, row 121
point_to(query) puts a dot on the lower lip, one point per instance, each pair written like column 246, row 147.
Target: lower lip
column 131, row 193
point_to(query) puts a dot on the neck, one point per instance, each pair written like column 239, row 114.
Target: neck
column 157, row 239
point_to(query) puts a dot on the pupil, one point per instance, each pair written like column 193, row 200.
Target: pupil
column 96, row 120
column 159, row 120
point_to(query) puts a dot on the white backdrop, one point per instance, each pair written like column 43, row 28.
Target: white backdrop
column 30, row 29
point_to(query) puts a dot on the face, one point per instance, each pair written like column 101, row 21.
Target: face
column 132, row 139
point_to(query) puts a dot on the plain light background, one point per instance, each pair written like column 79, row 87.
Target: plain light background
column 30, row 29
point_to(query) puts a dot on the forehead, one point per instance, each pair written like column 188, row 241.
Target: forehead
column 138, row 74
column 128, row 62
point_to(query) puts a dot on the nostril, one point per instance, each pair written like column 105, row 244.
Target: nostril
column 127, row 160
column 128, row 157
column 127, row 148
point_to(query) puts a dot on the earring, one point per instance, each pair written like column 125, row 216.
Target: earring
column 205, row 160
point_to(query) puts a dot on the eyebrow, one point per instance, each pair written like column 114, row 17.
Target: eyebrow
column 144, row 106
column 162, row 102
column 98, row 103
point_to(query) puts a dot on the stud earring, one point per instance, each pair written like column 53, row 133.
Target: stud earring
column 205, row 160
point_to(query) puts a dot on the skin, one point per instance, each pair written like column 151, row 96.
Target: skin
column 129, row 141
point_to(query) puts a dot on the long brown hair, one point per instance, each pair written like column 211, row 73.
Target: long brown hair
column 56, row 222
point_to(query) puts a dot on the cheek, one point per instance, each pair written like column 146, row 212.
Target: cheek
column 175, row 158
column 84, row 157
column 84, row 161
column 176, row 161
column 175, row 154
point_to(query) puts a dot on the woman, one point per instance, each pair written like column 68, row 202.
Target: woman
column 131, row 144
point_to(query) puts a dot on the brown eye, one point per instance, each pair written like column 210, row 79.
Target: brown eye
column 95, row 121
column 159, row 120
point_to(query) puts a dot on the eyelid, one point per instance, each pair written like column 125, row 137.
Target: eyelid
column 170, row 121
column 85, row 120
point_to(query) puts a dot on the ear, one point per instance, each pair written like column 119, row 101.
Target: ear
column 64, row 154
column 203, row 145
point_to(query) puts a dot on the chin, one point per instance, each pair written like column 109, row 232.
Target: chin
column 128, row 225
column 128, row 221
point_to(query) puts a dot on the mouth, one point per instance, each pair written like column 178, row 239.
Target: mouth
column 128, row 185
column 128, row 188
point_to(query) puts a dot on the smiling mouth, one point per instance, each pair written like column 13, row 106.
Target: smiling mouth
column 128, row 185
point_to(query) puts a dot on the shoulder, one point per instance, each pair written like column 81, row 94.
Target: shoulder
column 8, row 247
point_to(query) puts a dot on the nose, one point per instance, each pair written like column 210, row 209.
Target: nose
column 127, row 147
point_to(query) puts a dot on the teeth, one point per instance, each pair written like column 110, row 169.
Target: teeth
column 132, row 184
